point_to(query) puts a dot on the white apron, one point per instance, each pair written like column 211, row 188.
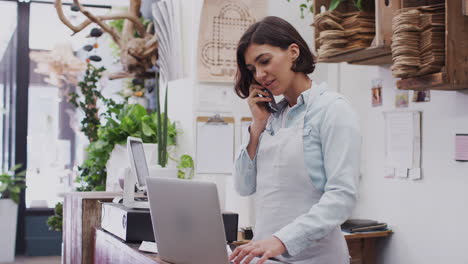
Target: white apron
column 285, row 191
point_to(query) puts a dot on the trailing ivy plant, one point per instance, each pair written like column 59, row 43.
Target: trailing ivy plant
column 185, row 165
column 335, row 3
column 88, row 102
column 308, row 5
column 12, row 183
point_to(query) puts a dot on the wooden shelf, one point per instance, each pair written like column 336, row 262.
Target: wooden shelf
column 363, row 56
column 454, row 75
column 435, row 81
column 379, row 52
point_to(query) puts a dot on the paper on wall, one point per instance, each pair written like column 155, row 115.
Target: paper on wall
column 215, row 148
column 399, row 139
column 403, row 144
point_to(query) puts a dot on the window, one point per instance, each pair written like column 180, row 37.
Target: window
column 8, row 48
column 52, row 140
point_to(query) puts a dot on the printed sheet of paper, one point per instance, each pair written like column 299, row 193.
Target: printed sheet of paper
column 399, row 139
column 403, row 144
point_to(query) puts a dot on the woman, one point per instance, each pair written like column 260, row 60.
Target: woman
column 302, row 162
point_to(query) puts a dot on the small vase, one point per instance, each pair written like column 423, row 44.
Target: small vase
column 143, row 101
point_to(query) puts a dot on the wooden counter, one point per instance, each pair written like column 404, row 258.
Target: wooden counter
column 110, row 249
column 81, row 215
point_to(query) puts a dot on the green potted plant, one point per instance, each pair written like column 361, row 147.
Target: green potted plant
column 133, row 121
column 55, row 221
column 87, row 102
column 122, row 122
column 186, row 167
column 11, row 185
column 162, row 125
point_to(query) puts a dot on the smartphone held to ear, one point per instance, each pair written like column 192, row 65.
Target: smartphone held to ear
column 271, row 105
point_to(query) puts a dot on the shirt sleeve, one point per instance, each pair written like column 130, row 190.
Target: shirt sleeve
column 245, row 169
column 341, row 149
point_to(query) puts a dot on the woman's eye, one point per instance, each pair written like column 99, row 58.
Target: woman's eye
column 265, row 61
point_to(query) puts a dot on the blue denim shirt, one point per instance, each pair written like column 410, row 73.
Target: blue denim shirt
column 332, row 146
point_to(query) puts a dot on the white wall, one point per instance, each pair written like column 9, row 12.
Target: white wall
column 427, row 216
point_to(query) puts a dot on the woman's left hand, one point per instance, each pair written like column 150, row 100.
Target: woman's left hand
column 266, row 248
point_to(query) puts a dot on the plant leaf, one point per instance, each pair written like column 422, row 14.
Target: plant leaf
column 165, row 130
column 147, row 130
column 17, row 166
column 359, row 4
column 334, row 4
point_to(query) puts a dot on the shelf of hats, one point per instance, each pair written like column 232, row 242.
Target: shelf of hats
column 425, row 41
column 429, row 46
column 357, row 32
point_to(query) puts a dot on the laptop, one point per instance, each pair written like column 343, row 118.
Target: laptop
column 187, row 221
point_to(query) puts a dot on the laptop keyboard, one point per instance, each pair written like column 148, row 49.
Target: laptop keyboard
column 231, row 247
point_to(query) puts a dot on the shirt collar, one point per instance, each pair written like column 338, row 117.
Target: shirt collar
column 301, row 99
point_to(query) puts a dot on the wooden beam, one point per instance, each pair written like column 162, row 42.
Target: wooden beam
column 456, row 44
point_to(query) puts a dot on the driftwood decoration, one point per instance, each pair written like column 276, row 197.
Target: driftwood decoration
column 138, row 54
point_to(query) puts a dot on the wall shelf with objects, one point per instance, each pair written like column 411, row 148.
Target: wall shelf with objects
column 348, row 34
column 435, row 56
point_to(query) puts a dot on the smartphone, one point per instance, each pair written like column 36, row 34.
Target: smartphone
column 270, row 106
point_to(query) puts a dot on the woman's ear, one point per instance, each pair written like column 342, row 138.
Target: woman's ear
column 294, row 52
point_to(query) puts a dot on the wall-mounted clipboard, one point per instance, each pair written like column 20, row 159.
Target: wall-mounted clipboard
column 214, row 144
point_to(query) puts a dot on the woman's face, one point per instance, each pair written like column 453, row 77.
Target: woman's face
column 271, row 66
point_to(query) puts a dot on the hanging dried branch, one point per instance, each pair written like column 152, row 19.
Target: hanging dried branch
column 138, row 54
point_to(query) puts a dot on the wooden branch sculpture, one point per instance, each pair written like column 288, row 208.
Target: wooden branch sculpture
column 138, row 54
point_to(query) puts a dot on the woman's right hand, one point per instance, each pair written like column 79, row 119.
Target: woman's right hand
column 259, row 112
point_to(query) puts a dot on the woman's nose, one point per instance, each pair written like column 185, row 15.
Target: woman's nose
column 260, row 74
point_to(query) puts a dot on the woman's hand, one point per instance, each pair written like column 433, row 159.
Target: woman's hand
column 266, row 248
column 259, row 113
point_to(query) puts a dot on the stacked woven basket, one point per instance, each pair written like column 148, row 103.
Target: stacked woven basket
column 342, row 32
column 418, row 41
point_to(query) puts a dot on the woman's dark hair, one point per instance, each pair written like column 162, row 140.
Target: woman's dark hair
column 276, row 32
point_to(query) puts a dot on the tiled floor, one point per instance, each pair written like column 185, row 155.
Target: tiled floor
column 36, row 260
